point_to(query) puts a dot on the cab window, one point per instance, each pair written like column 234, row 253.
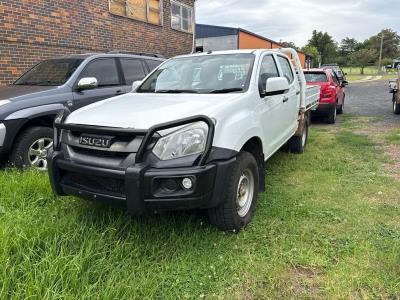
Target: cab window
column 286, row 69
column 268, row 70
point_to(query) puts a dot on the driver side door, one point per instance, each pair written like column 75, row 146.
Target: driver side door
column 109, row 80
column 270, row 108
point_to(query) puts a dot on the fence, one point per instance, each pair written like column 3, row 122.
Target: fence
column 368, row 70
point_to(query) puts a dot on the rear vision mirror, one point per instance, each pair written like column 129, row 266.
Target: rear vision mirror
column 135, row 85
column 276, row 86
column 87, row 83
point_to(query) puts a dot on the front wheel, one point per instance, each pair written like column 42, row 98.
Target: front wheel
column 239, row 200
column 31, row 148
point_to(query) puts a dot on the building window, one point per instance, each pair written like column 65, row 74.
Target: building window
column 181, row 17
column 149, row 11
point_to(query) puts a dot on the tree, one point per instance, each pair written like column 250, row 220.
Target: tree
column 325, row 45
column 348, row 46
column 391, row 43
column 363, row 57
column 313, row 53
column 289, row 45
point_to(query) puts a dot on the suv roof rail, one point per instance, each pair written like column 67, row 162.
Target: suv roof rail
column 136, row 53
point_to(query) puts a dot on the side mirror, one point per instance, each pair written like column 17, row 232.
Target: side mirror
column 345, row 83
column 87, row 83
column 276, row 86
column 136, row 84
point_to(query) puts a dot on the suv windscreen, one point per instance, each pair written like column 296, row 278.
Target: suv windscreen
column 203, row 74
column 316, row 77
column 50, row 72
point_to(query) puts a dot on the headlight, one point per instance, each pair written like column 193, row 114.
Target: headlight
column 188, row 140
column 3, row 102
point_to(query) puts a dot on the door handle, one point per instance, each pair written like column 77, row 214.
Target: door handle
column 119, row 92
column 285, row 99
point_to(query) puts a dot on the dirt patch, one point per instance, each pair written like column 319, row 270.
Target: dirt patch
column 304, row 281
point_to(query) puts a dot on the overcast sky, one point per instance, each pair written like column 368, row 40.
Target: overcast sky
column 294, row 20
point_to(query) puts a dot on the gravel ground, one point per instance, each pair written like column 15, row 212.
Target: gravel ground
column 371, row 99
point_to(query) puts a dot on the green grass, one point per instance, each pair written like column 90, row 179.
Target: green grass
column 327, row 227
column 393, row 137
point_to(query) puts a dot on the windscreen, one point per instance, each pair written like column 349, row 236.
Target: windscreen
column 203, row 74
column 50, row 72
column 316, row 77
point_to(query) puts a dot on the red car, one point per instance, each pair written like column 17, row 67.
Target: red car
column 332, row 96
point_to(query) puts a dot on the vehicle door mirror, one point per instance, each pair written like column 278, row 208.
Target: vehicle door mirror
column 344, row 83
column 136, row 84
column 87, row 83
column 276, row 86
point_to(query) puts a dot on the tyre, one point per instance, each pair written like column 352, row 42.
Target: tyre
column 396, row 108
column 31, row 148
column 239, row 200
column 340, row 108
column 297, row 144
column 331, row 118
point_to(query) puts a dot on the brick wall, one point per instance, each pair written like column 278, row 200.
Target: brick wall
column 33, row 30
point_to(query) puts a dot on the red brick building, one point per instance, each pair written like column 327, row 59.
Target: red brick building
column 33, row 30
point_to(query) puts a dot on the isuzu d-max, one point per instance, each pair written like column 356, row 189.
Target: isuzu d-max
column 194, row 134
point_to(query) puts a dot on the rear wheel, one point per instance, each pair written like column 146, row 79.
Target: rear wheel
column 297, row 144
column 239, row 200
column 396, row 107
column 31, row 148
column 331, row 118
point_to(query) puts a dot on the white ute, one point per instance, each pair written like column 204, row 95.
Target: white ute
column 195, row 134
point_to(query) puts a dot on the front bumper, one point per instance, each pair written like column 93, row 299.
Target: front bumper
column 141, row 188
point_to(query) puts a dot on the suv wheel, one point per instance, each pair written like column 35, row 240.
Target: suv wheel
column 331, row 119
column 239, row 200
column 31, row 148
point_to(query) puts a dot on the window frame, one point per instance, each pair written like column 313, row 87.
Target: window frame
column 191, row 20
column 160, row 9
column 282, row 70
column 259, row 70
column 117, row 66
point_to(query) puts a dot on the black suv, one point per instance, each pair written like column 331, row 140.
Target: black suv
column 29, row 105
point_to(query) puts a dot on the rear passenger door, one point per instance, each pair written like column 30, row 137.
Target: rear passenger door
column 133, row 70
column 109, row 80
column 291, row 99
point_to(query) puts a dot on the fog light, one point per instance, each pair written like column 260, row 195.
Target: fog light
column 187, row 183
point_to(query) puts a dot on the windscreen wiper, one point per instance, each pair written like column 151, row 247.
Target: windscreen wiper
column 223, row 91
column 176, row 91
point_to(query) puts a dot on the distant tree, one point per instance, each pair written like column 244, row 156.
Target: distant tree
column 348, row 46
column 391, row 43
column 363, row 57
column 289, row 45
column 325, row 45
column 313, row 53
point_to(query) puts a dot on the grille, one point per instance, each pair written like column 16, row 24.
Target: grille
column 96, row 184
